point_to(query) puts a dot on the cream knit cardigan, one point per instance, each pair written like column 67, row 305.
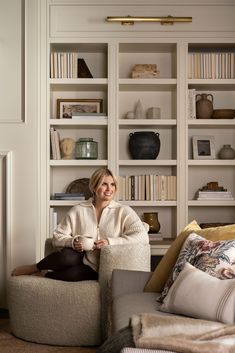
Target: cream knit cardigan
column 118, row 223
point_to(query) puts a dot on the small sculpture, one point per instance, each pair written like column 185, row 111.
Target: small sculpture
column 67, row 146
column 139, row 112
column 145, row 71
column 212, row 186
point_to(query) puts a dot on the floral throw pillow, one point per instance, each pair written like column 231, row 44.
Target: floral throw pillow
column 217, row 258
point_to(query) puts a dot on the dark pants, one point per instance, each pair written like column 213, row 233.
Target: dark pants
column 67, row 265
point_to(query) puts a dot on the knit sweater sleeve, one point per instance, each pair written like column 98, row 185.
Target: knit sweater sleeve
column 63, row 235
column 133, row 229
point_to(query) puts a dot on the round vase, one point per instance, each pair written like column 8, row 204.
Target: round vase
column 144, row 145
column 151, row 218
column 204, row 106
column 227, row 152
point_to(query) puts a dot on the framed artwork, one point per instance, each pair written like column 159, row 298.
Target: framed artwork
column 203, row 147
column 66, row 107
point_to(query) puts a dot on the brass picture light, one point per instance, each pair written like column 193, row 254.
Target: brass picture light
column 130, row 20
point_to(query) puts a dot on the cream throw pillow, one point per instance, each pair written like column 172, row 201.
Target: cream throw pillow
column 165, row 266
column 197, row 294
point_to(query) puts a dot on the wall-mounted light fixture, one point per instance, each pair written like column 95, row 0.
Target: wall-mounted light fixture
column 130, row 20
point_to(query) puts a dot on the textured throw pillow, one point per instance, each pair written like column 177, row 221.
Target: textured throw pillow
column 164, row 268
column 214, row 257
column 197, row 294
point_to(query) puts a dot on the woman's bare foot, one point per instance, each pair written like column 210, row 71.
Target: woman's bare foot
column 41, row 273
column 25, row 270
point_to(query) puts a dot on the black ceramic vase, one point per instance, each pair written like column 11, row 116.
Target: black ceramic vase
column 144, row 145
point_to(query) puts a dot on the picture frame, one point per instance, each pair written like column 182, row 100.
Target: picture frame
column 66, row 107
column 203, row 147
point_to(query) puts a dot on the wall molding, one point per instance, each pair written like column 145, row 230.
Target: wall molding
column 6, row 176
column 20, row 117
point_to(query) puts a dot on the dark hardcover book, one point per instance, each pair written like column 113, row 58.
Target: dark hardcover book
column 83, row 71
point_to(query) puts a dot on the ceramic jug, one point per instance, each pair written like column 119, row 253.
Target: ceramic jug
column 204, row 106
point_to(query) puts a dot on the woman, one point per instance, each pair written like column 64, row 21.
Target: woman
column 100, row 217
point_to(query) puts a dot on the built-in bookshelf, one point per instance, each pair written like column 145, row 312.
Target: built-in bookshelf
column 182, row 67
column 214, row 66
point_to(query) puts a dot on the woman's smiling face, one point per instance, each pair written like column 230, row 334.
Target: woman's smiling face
column 107, row 189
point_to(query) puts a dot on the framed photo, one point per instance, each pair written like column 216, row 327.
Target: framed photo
column 66, row 107
column 203, row 147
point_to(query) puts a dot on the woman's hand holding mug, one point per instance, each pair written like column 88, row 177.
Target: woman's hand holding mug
column 83, row 243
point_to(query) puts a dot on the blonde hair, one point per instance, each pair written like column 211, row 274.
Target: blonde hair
column 97, row 178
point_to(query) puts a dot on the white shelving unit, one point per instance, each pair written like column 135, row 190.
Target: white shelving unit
column 111, row 51
column 200, row 172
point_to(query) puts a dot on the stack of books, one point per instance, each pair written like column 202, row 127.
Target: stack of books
column 68, row 196
column 155, row 237
column 214, row 195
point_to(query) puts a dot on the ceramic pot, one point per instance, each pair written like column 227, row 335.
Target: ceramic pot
column 204, row 106
column 144, row 145
column 151, row 218
column 227, row 152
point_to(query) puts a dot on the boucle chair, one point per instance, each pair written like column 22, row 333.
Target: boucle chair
column 70, row 313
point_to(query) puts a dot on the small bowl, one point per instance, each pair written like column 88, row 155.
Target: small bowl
column 223, row 114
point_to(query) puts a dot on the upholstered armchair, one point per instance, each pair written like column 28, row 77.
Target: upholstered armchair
column 70, row 313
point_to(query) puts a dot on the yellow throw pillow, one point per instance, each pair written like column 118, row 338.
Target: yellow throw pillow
column 160, row 275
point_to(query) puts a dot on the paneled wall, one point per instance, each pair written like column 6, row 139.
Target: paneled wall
column 18, row 135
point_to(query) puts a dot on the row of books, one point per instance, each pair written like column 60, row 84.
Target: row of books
column 211, row 65
column 147, row 187
column 55, row 144
column 68, row 65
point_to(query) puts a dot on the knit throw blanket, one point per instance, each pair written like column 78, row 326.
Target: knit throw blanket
column 181, row 334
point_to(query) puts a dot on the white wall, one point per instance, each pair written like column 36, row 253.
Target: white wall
column 19, row 139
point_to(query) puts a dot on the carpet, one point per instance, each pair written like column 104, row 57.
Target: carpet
column 10, row 344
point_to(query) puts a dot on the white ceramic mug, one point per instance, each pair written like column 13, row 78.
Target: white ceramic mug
column 87, row 242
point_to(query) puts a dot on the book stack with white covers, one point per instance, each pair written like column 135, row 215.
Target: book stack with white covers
column 214, row 195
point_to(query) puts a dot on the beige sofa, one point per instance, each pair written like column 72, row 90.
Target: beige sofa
column 70, row 313
column 129, row 298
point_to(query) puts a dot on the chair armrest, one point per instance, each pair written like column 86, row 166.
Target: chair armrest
column 48, row 247
column 125, row 256
column 126, row 281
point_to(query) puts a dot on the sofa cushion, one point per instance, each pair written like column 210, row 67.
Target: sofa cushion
column 197, row 294
column 126, row 305
column 165, row 266
column 214, row 257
